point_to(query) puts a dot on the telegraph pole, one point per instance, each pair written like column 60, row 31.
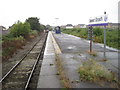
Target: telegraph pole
column 104, row 38
column 91, row 38
column 56, row 21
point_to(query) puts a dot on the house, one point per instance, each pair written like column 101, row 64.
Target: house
column 112, row 25
column 80, row 26
column 69, row 26
column 63, row 26
column 3, row 30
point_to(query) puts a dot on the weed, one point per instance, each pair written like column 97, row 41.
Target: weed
column 103, row 60
column 92, row 71
column 58, row 73
column 51, row 64
column 64, row 79
column 9, row 46
column 93, row 53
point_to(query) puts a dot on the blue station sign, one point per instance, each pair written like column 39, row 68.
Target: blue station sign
column 99, row 21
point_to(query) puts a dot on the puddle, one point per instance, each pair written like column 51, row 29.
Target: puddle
column 71, row 47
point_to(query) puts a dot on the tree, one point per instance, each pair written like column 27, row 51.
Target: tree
column 20, row 29
column 42, row 27
column 34, row 23
column 48, row 27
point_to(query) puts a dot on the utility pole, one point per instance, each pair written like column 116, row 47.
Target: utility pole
column 56, row 19
column 104, row 38
column 90, row 31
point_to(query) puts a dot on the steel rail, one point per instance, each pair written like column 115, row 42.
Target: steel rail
column 33, row 69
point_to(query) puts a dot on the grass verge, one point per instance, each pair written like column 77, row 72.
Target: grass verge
column 94, row 72
column 64, row 79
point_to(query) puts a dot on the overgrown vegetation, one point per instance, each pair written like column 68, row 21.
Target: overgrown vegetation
column 10, row 45
column 64, row 79
column 20, row 29
column 34, row 23
column 94, row 72
column 93, row 53
column 112, row 38
column 77, row 32
column 19, row 34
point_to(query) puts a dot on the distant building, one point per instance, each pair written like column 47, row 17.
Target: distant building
column 3, row 30
column 80, row 26
column 63, row 26
column 113, row 25
column 69, row 26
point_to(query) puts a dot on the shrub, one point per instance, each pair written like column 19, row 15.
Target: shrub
column 112, row 38
column 20, row 29
column 10, row 45
column 83, row 33
column 98, row 31
column 92, row 71
column 33, row 34
column 7, row 37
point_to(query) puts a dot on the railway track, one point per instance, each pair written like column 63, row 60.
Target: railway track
column 22, row 74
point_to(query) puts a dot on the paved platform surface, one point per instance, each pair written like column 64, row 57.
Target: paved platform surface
column 74, row 52
column 48, row 77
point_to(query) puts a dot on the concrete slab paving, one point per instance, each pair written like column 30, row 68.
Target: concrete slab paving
column 48, row 77
column 47, row 70
column 48, row 62
column 50, row 81
column 75, row 51
column 48, row 56
column 71, row 67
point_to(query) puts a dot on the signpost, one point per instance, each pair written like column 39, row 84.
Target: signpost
column 90, row 35
column 99, row 21
column 105, row 18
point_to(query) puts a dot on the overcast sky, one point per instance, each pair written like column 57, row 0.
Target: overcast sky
column 68, row 11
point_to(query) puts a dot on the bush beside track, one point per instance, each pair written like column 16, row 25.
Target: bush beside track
column 19, row 34
column 112, row 38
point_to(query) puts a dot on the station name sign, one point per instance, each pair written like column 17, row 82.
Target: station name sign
column 96, row 19
column 100, row 20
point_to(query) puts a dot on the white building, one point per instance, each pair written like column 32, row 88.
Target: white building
column 80, row 26
column 69, row 26
column 2, row 28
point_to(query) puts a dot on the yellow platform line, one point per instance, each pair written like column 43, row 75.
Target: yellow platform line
column 56, row 47
column 59, row 63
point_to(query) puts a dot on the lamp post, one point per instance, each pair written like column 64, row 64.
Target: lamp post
column 56, row 19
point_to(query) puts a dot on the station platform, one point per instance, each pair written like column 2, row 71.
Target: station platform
column 73, row 52
column 48, row 77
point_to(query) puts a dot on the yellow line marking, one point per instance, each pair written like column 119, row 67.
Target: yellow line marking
column 56, row 47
